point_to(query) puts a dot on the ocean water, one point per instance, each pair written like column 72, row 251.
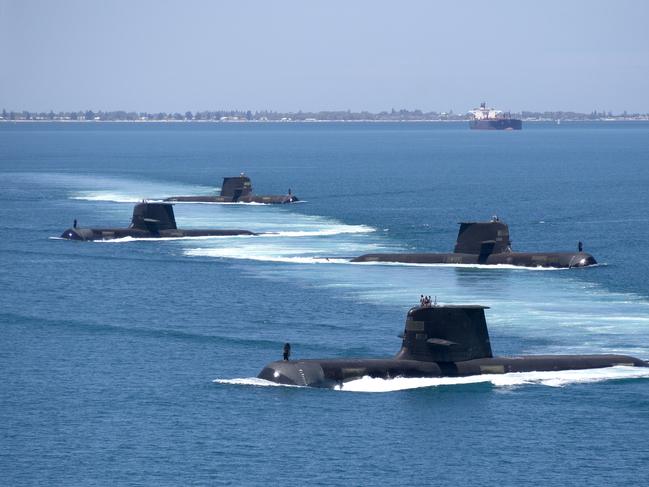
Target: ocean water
column 134, row 362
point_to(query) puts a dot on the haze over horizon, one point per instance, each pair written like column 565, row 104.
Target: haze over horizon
column 290, row 56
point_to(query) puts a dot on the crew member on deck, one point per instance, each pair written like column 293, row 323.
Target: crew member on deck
column 580, row 246
column 74, row 223
column 287, row 351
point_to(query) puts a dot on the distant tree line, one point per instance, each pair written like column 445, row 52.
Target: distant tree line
column 300, row 116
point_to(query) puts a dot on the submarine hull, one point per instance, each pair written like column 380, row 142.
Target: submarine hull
column 150, row 220
column 114, row 233
column 237, row 189
column 438, row 341
column 523, row 259
column 330, row 373
column 487, row 243
column 269, row 200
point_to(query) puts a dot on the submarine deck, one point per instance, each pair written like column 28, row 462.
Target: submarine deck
column 523, row 259
column 269, row 199
column 114, row 233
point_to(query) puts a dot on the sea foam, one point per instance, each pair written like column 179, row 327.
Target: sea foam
column 512, row 380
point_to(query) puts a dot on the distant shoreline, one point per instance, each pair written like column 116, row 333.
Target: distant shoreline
column 530, row 120
column 323, row 116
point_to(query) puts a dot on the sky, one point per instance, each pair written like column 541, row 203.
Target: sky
column 158, row 55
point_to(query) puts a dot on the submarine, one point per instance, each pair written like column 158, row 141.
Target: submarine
column 237, row 190
column 487, row 243
column 438, row 341
column 150, row 220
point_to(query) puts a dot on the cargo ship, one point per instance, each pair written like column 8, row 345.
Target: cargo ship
column 491, row 119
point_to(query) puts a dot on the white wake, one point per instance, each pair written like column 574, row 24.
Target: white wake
column 515, row 379
column 512, row 380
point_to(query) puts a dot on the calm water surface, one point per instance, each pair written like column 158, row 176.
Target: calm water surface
column 132, row 362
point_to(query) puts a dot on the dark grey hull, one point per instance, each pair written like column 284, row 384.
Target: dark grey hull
column 114, row 233
column 329, row 373
column 523, row 259
column 269, row 200
column 496, row 124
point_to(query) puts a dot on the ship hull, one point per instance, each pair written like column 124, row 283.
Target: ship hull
column 89, row 234
column 523, row 259
column 496, row 124
column 330, row 373
column 268, row 200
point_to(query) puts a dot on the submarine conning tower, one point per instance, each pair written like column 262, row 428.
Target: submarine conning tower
column 236, row 187
column 153, row 217
column 483, row 238
column 445, row 334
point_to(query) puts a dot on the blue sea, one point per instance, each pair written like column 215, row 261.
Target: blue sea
column 134, row 362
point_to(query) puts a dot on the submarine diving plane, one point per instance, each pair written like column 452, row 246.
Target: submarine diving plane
column 438, row 341
column 150, row 220
column 487, row 243
column 237, row 190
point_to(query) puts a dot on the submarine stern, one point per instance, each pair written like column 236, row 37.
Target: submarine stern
column 559, row 260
